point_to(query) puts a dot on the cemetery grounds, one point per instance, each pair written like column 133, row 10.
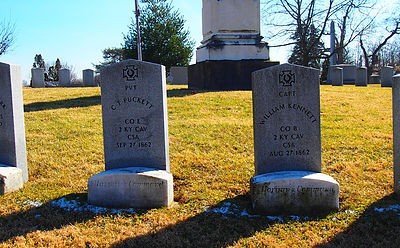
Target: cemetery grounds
column 211, row 154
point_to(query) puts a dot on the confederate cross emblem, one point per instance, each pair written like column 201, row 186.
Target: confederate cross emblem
column 130, row 73
column 287, row 78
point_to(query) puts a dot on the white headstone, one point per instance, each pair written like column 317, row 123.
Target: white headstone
column 179, row 75
column 231, row 31
column 362, row 77
column 287, row 143
column 65, row 77
column 13, row 162
column 396, row 131
column 135, row 129
column 88, row 77
column 387, row 73
column 37, row 78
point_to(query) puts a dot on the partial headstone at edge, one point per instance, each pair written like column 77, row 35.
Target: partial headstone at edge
column 387, row 73
column 396, row 132
column 287, row 144
column 135, row 129
column 13, row 161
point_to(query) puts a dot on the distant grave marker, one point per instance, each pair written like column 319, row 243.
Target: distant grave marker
column 135, row 127
column 88, row 78
column 362, row 77
column 37, row 78
column 13, row 162
column 65, row 77
column 387, row 73
column 287, row 143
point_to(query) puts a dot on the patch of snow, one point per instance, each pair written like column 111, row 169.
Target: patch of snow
column 76, row 206
column 35, row 204
column 392, row 208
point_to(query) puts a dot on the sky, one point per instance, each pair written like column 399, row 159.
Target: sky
column 76, row 31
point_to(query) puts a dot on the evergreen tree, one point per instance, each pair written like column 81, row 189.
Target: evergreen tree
column 308, row 49
column 164, row 39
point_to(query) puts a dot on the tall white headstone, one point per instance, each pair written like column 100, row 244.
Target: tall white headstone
column 135, row 129
column 13, row 162
column 396, row 131
column 88, row 77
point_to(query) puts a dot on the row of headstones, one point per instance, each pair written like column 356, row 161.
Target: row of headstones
column 287, row 139
column 340, row 75
column 64, row 78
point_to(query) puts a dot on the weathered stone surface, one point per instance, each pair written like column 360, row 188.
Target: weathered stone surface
column 179, row 75
column 131, row 188
column 362, row 77
column 336, row 76
column 12, row 128
column 88, row 78
column 387, row 76
column 287, row 144
column 396, row 131
column 286, row 110
column 294, row 192
column 10, row 179
column 65, row 77
column 135, row 127
column 37, row 78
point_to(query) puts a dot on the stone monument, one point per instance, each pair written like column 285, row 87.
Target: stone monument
column 13, row 162
column 135, row 129
column 387, row 73
column 232, row 47
column 88, row 78
column 349, row 73
column 396, row 132
column 287, row 144
column 37, row 78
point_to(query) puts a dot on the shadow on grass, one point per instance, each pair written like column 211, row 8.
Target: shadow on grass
column 62, row 104
column 45, row 218
column 91, row 101
column 377, row 227
column 207, row 229
column 182, row 92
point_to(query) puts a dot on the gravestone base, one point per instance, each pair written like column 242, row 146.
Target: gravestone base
column 294, row 192
column 225, row 74
column 133, row 187
column 10, row 179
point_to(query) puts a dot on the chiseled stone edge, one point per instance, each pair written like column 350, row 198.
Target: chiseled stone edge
column 10, row 179
column 290, row 192
column 113, row 188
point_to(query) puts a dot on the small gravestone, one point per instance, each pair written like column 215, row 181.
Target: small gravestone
column 396, row 131
column 336, row 76
column 375, row 79
column 135, row 129
column 362, row 77
column 64, row 77
column 349, row 73
column 37, row 78
column 88, row 78
column 387, row 76
column 287, row 144
column 179, row 75
column 13, row 162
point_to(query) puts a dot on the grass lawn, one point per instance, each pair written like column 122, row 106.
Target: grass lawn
column 211, row 153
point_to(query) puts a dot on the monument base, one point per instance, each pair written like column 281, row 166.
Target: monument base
column 134, row 187
column 225, row 74
column 294, row 192
column 10, row 179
